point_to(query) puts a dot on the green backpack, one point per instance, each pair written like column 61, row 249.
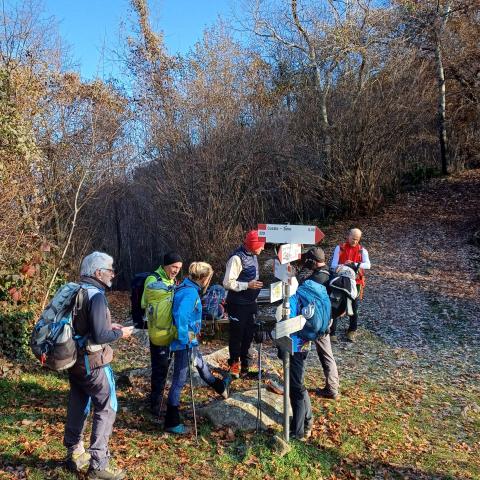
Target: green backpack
column 159, row 302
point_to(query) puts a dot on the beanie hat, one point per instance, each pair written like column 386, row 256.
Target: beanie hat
column 316, row 254
column 171, row 257
column 252, row 241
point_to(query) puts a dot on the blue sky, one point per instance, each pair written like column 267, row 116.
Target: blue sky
column 90, row 26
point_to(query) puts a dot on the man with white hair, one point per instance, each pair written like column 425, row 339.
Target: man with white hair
column 353, row 255
column 91, row 378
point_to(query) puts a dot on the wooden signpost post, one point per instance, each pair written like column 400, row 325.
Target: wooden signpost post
column 291, row 237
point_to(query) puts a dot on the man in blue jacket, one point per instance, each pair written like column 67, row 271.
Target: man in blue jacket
column 302, row 419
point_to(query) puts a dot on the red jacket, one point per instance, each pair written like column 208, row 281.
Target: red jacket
column 354, row 254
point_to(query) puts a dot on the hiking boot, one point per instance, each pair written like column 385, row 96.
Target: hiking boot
column 235, row 370
column 226, row 384
column 333, row 339
column 324, row 393
column 351, row 337
column 77, row 462
column 247, row 372
column 300, row 439
column 109, row 473
column 180, row 429
column 222, row 386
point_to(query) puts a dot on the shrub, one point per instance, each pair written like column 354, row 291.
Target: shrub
column 15, row 334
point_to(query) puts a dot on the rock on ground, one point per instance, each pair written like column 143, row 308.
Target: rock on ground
column 240, row 410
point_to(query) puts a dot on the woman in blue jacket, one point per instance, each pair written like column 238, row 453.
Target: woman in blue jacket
column 187, row 316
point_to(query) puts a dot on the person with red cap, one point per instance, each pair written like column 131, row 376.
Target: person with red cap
column 241, row 281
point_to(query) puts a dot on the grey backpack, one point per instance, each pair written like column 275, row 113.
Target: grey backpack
column 53, row 340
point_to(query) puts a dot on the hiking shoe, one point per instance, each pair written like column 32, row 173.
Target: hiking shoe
column 324, row 393
column 248, row 373
column 109, row 473
column 300, row 439
column 226, row 382
column 333, row 339
column 77, row 462
column 235, row 370
column 351, row 337
column 179, row 429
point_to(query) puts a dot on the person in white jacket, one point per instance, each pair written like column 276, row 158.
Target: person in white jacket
column 353, row 255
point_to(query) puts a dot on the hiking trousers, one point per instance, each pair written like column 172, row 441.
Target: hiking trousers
column 302, row 418
column 98, row 390
column 327, row 360
column 180, row 373
column 160, row 359
column 241, row 330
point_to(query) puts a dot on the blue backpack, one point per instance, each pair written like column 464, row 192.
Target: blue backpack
column 315, row 307
column 213, row 302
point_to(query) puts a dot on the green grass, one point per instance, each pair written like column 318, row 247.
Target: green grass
column 397, row 428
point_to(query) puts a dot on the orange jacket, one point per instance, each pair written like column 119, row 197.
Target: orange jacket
column 354, row 254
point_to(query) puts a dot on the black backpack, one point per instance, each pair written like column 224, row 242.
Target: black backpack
column 341, row 288
column 136, row 285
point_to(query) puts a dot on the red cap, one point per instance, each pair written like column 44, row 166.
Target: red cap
column 253, row 241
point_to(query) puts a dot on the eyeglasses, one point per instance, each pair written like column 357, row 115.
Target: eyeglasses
column 111, row 270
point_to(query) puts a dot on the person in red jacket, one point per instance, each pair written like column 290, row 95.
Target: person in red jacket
column 352, row 254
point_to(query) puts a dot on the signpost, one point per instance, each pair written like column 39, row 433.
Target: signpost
column 276, row 292
column 289, row 252
column 282, row 271
column 293, row 236
column 274, row 233
column 285, row 328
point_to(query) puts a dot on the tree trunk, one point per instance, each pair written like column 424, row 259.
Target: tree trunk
column 442, row 127
column 441, row 115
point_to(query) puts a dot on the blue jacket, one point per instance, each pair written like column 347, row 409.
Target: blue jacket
column 187, row 314
column 299, row 344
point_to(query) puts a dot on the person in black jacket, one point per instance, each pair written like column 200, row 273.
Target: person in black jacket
column 314, row 268
column 91, row 378
column 243, row 285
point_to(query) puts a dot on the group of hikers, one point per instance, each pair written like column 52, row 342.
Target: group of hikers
column 91, row 378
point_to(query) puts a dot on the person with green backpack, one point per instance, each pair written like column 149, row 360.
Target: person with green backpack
column 187, row 317
column 157, row 300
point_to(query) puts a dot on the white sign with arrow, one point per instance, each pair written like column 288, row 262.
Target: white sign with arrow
column 286, row 327
column 278, row 233
column 289, row 252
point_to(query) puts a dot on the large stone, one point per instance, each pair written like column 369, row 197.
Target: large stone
column 218, row 358
column 240, row 410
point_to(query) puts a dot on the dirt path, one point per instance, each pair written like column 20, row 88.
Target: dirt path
column 422, row 298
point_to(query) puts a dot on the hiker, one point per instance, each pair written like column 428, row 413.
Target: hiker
column 241, row 281
column 91, row 378
column 314, row 268
column 353, row 255
column 187, row 317
column 160, row 354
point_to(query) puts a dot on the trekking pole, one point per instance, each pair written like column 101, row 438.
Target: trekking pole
column 170, row 366
column 258, row 425
column 191, row 394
